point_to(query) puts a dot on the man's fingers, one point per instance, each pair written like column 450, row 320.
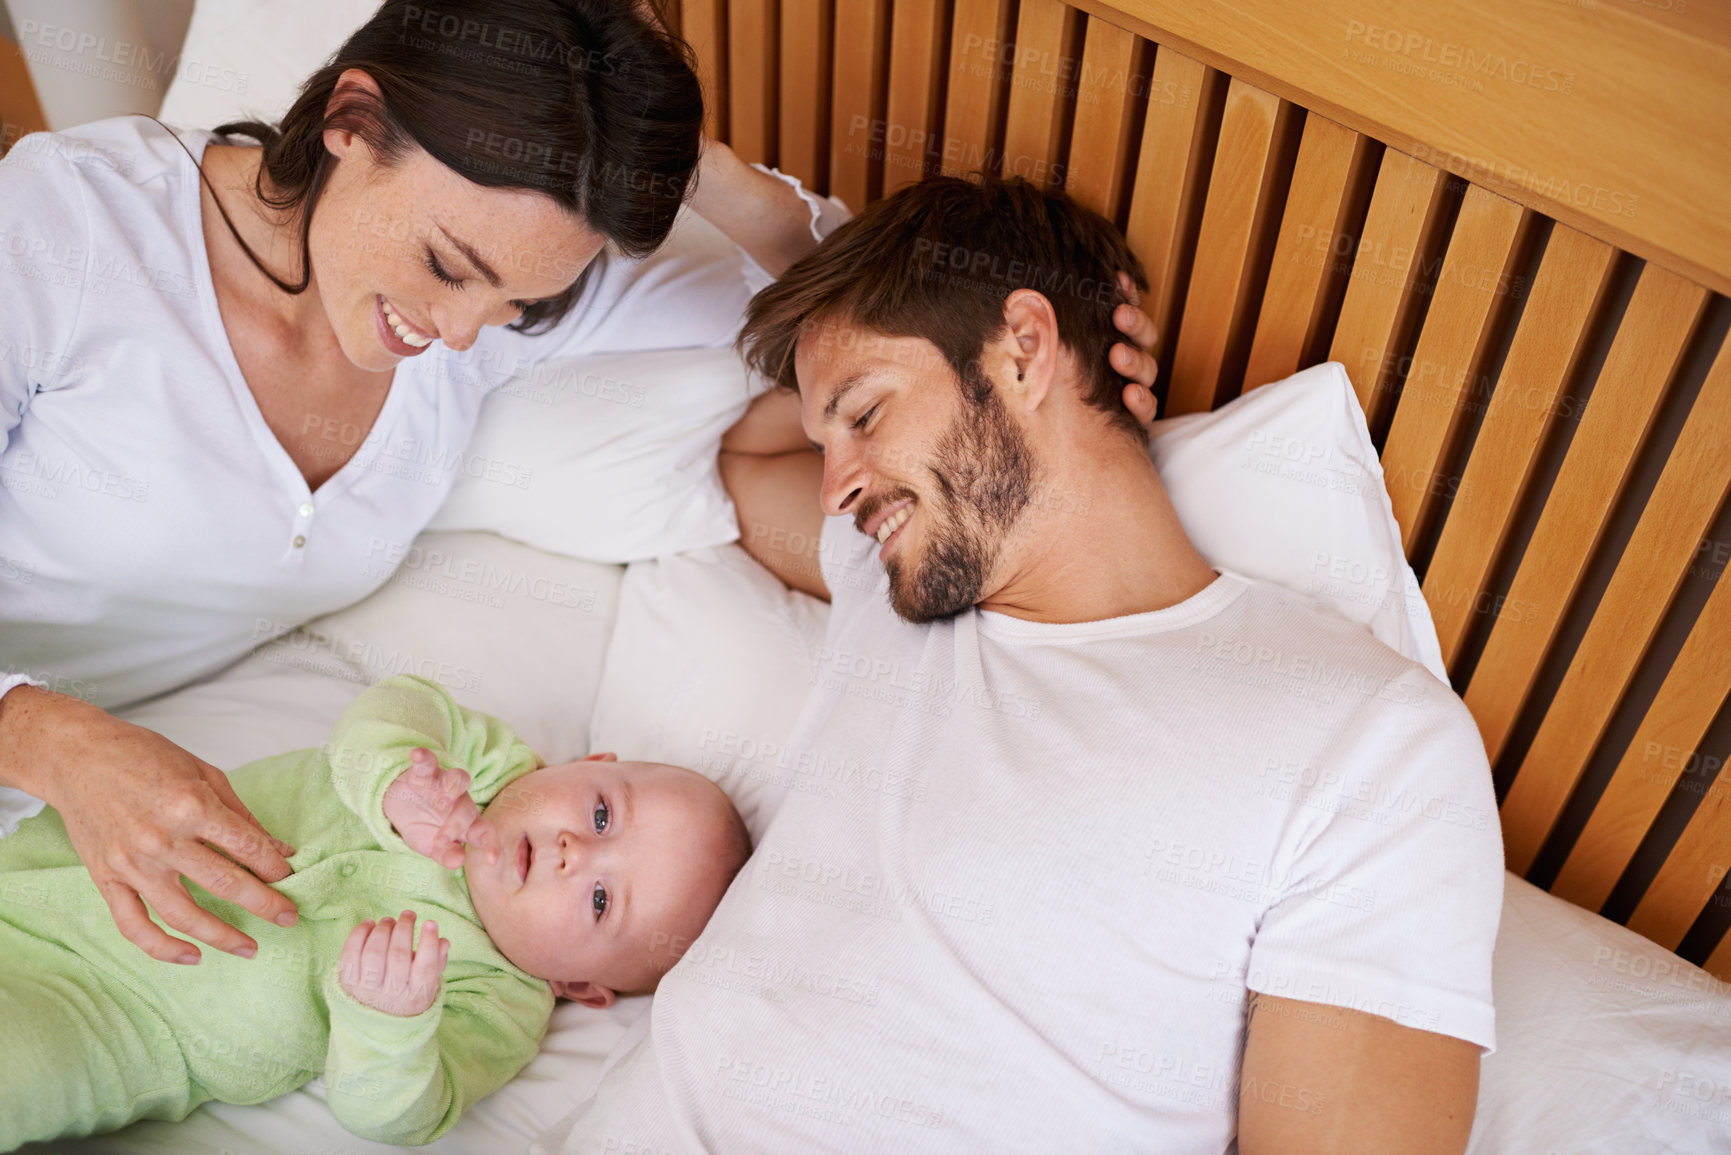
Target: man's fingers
column 134, row 922
column 1128, row 288
column 1139, row 400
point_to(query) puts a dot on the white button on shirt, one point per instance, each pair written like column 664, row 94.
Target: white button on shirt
column 138, row 477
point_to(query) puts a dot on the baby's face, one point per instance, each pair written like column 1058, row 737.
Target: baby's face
column 603, row 867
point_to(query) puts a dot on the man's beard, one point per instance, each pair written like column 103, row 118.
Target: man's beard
column 983, row 475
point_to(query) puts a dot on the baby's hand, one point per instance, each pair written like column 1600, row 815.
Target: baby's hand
column 429, row 805
column 380, row 968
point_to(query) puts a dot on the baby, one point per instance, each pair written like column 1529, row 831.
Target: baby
column 577, row 881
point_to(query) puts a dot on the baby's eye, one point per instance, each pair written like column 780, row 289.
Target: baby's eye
column 602, row 815
column 599, row 901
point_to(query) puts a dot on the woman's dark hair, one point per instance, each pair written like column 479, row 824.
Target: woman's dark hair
column 586, row 101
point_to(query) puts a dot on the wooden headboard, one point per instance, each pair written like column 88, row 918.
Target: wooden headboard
column 1509, row 219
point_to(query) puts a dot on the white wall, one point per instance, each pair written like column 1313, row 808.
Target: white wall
column 95, row 58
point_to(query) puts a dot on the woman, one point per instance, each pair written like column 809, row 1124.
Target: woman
column 176, row 347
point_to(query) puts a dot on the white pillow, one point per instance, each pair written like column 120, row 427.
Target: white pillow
column 1606, row 1042
column 710, row 664
column 1284, row 484
column 246, row 59
column 616, row 452
column 511, row 631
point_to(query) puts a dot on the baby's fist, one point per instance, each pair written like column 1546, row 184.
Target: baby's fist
column 429, row 805
column 380, row 966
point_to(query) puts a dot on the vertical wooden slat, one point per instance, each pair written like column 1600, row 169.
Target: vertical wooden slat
column 803, row 145
column 1674, row 522
column 1719, row 962
column 1379, row 296
column 973, row 105
column 1450, row 354
column 916, row 70
column 1047, row 35
column 1571, row 282
column 1697, row 862
column 861, row 34
column 1171, row 179
column 1105, row 114
column 1648, row 346
column 752, row 36
column 1237, row 198
column 1694, row 691
column 703, row 24
column 1330, row 159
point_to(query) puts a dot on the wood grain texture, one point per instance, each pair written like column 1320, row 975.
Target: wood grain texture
column 1543, row 357
column 1171, row 181
column 703, row 24
column 1699, row 860
column 1330, row 158
column 1609, row 118
column 753, row 37
column 1694, row 691
column 916, row 71
column 1403, row 213
column 1047, row 56
column 974, row 106
column 802, row 143
column 1220, row 286
column 1635, row 377
column 857, row 100
column 1448, row 361
column 1677, row 516
column 1106, row 98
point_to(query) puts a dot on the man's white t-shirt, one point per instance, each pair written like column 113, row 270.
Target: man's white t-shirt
column 1025, row 875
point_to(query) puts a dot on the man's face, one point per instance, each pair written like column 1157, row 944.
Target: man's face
column 602, row 864
column 938, row 478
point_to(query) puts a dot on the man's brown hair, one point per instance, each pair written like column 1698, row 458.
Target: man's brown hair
column 936, row 261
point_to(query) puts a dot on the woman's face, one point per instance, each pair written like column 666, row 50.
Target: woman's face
column 413, row 253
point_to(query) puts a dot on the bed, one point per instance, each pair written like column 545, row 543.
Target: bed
column 1508, row 223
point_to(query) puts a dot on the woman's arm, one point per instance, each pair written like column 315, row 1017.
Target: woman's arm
column 141, row 812
column 760, row 213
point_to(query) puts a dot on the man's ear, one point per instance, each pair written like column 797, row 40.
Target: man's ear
column 1030, row 342
column 587, row 993
column 607, row 757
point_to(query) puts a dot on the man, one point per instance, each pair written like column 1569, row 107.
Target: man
column 1066, row 897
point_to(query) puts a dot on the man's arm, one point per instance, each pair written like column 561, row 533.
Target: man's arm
column 1319, row 1078
column 780, row 520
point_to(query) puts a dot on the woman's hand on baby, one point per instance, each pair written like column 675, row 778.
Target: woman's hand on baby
column 429, row 805
column 381, row 966
column 142, row 813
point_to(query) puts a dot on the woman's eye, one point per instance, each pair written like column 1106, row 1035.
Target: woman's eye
column 438, row 271
column 602, row 815
column 598, row 899
column 864, row 417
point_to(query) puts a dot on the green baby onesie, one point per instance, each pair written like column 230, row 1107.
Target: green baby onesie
column 94, row 1033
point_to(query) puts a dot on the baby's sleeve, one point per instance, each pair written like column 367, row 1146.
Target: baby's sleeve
column 373, row 740
column 407, row 1080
